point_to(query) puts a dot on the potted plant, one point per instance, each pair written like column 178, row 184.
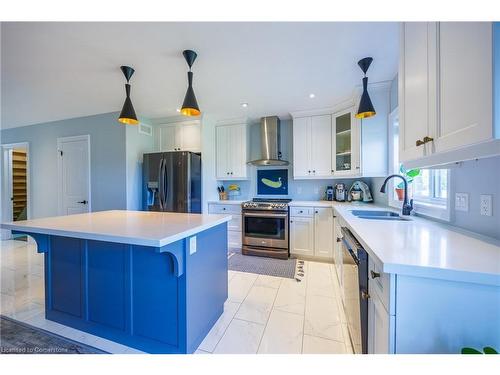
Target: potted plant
column 409, row 175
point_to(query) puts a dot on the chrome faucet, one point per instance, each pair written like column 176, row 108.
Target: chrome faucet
column 407, row 207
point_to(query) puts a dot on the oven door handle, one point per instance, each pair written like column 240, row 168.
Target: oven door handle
column 264, row 214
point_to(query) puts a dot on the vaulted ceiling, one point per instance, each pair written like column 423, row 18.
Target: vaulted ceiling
column 52, row 71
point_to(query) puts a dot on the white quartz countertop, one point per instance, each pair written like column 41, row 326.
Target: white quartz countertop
column 423, row 248
column 132, row 227
column 236, row 202
column 312, row 203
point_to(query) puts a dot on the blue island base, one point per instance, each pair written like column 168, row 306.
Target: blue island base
column 158, row 300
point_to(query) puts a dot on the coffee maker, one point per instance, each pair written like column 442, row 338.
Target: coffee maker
column 340, row 193
column 329, row 193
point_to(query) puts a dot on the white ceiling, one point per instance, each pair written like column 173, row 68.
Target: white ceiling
column 53, row 71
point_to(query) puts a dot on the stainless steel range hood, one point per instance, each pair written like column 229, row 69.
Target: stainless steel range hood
column 270, row 143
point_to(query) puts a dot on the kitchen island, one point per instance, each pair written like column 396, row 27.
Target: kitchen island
column 153, row 281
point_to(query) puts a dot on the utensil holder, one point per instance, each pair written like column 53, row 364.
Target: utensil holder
column 223, row 196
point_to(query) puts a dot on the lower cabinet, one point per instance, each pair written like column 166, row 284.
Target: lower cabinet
column 379, row 326
column 323, row 232
column 234, row 225
column 302, row 235
column 311, row 232
column 381, row 309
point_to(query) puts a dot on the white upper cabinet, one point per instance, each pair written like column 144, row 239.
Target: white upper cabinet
column 346, row 144
column 465, row 84
column 180, row 136
column 231, row 152
column 329, row 144
column 445, row 92
column 415, row 83
column 301, row 147
column 312, row 147
column 321, row 146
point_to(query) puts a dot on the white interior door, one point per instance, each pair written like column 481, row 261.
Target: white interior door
column 74, row 174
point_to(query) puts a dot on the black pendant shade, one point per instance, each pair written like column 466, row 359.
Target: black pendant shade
column 365, row 109
column 190, row 104
column 127, row 115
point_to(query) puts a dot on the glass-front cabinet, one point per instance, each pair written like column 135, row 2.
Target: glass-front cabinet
column 345, row 153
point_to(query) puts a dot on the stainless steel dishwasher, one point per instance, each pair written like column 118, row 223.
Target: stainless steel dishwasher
column 355, row 282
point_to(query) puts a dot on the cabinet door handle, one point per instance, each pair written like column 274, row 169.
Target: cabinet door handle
column 428, row 139
column 419, row 142
column 374, row 274
column 291, row 221
column 316, row 212
column 308, row 171
column 339, row 239
column 332, row 171
column 365, row 294
column 82, row 202
column 314, row 171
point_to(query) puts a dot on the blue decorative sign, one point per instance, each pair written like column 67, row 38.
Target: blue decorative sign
column 272, row 181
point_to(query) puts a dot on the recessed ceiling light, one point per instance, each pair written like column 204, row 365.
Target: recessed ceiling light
column 244, row 105
column 178, row 109
column 312, row 96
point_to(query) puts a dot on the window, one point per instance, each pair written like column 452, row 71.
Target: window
column 427, row 187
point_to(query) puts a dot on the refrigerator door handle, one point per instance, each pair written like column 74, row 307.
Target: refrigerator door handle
column 160, row 184
column 165, row 184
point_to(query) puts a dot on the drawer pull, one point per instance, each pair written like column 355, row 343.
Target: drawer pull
column 428, row 139
column 374, row 274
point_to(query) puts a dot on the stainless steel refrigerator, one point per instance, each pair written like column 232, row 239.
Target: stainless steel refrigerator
column 172, row 182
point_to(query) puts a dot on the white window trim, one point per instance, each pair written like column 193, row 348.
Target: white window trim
column 393, row 116
column 432, row 208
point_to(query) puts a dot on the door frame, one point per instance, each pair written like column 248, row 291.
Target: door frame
column 61, row 140
column 7, row 179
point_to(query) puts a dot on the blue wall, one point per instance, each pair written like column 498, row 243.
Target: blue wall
column 107, row 155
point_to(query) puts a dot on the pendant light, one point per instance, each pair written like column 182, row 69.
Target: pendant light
column 365, row 109
column 190, row 105
column 127, row 115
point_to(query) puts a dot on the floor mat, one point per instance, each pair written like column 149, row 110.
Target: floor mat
column 20, row 338
column 261, row 265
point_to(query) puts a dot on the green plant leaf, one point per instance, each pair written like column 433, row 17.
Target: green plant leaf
column 413, row 173
column 401, row 185
column 470, row 351
column 489, row 350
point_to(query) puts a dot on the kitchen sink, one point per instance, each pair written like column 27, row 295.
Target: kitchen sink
column 378, row 215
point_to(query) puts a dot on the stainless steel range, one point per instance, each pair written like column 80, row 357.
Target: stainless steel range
column 265, row 227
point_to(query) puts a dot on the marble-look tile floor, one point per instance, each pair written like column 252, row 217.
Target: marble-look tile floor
column 263, row 314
